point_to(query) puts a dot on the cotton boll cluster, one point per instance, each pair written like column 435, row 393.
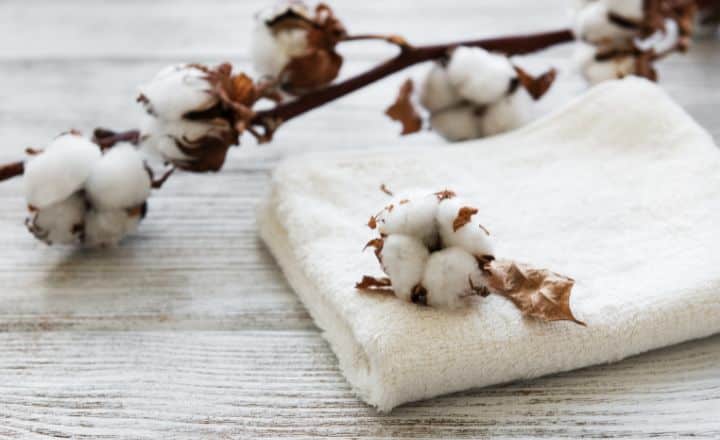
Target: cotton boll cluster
column 625, row 37
column 433, row 249
column 76, row 194
column 295, row 46
column 195, row 114
column 477, row 93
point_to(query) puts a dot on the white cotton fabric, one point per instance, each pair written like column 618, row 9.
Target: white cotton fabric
column 620, row 190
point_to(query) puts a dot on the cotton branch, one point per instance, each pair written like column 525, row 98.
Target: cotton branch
column 512, row 45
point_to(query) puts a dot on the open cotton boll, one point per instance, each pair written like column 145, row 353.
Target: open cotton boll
column 592, row 24
column 457, row 123
column 60, row 170
column 470, row 235
column 177, row 90
column 119, row 179
column 105, row 228
column 508, row 113
column 403, row 260
column 413, row 215
column 614, row 68
column 59, row 223
column 436, row 91
column 271, row 50
column 480, row 76
column 450, row 277
column 629, row 9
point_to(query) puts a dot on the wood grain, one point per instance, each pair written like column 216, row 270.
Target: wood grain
column 189, row 329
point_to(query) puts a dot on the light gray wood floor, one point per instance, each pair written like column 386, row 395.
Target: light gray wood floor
column 188, row 329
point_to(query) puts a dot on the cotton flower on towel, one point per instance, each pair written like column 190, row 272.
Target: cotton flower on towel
column 296, row 47
column 476, row 93
column 625, row 37
column 436, row 252
column 195, row 113
column 76, row 193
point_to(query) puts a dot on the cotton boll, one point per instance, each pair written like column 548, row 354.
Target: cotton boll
column 480, row 76
column 472, row 236
column 119, row 179
column 60, row 170
column 614, row 68
column 403, row 260
column 507, row 114
column 177, row 90
column 162, row 137
column 105, row 228
column 413, row 215
column 457, row 123
column 629, row 9
column 271, row 50
column 593, row 25
column 450, row 275
column 59, row 223
column 437, row 92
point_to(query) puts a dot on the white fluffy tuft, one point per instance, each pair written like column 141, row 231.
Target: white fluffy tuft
column 457, row 123
column 162, row 137
column 630, row 9
column 472, row 237
column 436, row 92
column 177, row 90
column 272, row 49
column 598, row 71
column 507, row 114
column 413, row 215
column 106, row 228
column 661, row 41
column 119, row 179
column 59, row 223
column 480, row 76
column 448, row 277
column 593, row 25
column 403, row 260
column 60, row 170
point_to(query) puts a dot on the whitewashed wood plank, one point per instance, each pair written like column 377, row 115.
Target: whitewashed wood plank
column 40, row 29
column 286, row 384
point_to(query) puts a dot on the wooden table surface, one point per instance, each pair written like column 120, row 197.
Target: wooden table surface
column 189, row 329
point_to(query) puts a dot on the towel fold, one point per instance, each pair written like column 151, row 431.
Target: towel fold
column 619, row 190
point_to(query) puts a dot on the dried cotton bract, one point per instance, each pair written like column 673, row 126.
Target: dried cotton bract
column 477, row 93
column 295, row 47
column 76, row 194
column 435, row 252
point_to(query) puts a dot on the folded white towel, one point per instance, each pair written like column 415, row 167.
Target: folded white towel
column 619, row 190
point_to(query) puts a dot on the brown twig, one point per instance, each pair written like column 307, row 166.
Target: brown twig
column 107, row 138
column 11, row 170
column 513, row 45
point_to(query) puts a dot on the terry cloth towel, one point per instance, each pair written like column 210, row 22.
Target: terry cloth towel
column 620, row 190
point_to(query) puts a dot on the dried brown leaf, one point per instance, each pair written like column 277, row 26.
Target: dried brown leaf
column 644, row 65
column 463, row 217
column 538, row 293
column 372, row 223
column 444, row 194
column 372, row 284
column 386, row 190
column 403, row 110
column 536, row 86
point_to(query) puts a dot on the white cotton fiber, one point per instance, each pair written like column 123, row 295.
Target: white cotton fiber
column 457, row 123
column 472, row 237
column 436, row 91
column 449, row 277
column 661, row 41
column 60, row 170
column 412, row 215
column 480, row 76
column 177, row 90
column 593, row 25
column 59, row 223
column 614, row 68
column 271, row 50
column 106, row 228
column 119, row 179
column 508, row 113
column 403, row 260
column 628, row 9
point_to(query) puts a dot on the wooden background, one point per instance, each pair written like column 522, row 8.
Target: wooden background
column 188, row 329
